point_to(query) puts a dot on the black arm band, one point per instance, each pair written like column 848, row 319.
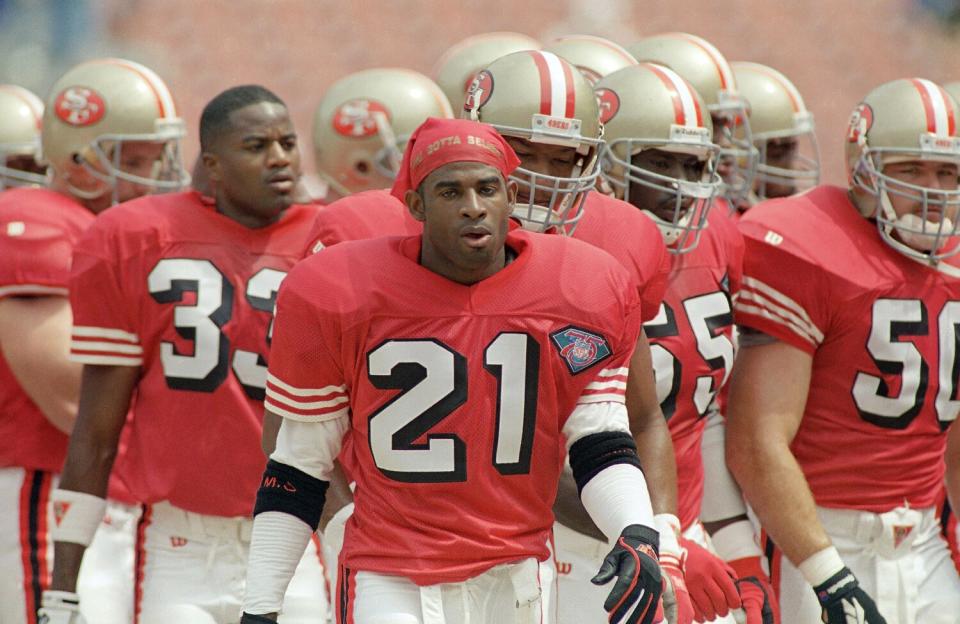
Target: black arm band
column 284, row 488
column 249, row 618
column 592, row 453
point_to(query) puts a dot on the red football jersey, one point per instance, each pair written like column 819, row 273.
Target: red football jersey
column 370, row 214
column 38, row 229
column 622, row 231
column 457, row 395
column 882, row 330
column 691, row 342
column 168, row 284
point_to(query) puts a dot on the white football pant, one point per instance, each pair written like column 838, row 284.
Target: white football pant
column 191, row 569
column 899, row 558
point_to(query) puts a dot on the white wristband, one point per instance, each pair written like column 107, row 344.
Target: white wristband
column 617, row 497
column 276, row 548
column 820, row 566
column 736, row 541
column 76, row 516
column 668, row 525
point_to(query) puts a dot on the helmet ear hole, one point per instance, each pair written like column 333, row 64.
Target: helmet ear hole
column 362, row 166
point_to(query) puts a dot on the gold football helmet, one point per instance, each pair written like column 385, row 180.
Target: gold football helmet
column 21, row 116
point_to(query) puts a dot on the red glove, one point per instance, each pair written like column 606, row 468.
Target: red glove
column 711, row 583
column 760, row 603
column 676, row 596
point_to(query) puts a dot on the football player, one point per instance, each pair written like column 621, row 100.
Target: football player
column 700, row 63
column 172, row 299
column 844, row 389
column 453, row 488
column 788, row 157
column 661, row 158
column 110, row 132
column 21, row 116
column 550, row 116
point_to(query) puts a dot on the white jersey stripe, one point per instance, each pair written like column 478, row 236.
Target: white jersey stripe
column 105, row 347
column 81, row 331
column 107, row 360
column 614, row 372
column 558, row 85
column 305, row 405
column 782, row 299
column 745, row 308
column 753, row 298
column 304, row 391
column 601, row 398
column 606, row 385
column 307, row 417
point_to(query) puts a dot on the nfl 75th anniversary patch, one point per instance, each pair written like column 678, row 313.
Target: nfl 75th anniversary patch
column 579, row 348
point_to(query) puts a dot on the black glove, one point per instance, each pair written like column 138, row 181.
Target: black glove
column 256, row 619
column 636, row 594
column 844, row 602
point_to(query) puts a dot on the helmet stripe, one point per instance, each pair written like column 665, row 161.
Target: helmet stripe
column 788, row 87
column 727, row 81
column 951, row 111
column 559, row 89
column 934, row 105
column 571, row 98
column 685, row 106
column 164, row 99
column 600, row 41
column 545, row 87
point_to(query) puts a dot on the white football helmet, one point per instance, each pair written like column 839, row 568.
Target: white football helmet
column 21, row 116
column 97, row 107
column 779, row 121
column 539, row 97
column 903, row 121
column 363, row 122
column 595, row 57
column 702, row 65
column 650, row 107
column 457, row 66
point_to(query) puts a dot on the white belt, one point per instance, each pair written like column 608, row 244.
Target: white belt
column 200, row 527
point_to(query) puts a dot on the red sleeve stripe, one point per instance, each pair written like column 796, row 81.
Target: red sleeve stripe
column 32, row 289
column 108, row 360
column 760, row 299
column 293, row 414
column 80, row 331
column 289, row 390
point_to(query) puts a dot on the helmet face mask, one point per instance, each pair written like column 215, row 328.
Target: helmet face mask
column 542, row 100
column 739, row 156
column 786, row 164
column 684, row 204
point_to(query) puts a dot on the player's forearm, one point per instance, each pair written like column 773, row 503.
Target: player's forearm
column 569, row 511
column 655, row 449
column 67, row 558
column 769, row 475
column 338, row 496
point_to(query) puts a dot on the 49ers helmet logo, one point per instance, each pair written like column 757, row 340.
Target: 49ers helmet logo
column 79, row 106
column 358, row 118
column 479, row 92
column 609, row 103
column 860, row 123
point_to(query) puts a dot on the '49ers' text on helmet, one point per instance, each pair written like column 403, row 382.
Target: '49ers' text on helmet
column 649, row 110
column 363, row 122
column 460, row 63
column 99, row 106
column 700, row 63
column 788, row 159
column 906, row 121
column 21, row 116
column 595, row 57
column 540, row 98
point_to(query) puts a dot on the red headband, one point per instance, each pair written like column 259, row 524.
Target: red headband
column 438, row 142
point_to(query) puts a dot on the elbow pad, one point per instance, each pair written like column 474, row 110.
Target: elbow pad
column 592, row 453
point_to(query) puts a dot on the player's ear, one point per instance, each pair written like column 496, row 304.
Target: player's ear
column 512, row 188
column 414, row 201
column 212, row 165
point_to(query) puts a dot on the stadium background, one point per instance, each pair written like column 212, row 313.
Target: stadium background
column 834, row 50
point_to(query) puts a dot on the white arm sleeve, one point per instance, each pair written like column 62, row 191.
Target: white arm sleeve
column 721, row 494
column 279, row 539
column 617, row 496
